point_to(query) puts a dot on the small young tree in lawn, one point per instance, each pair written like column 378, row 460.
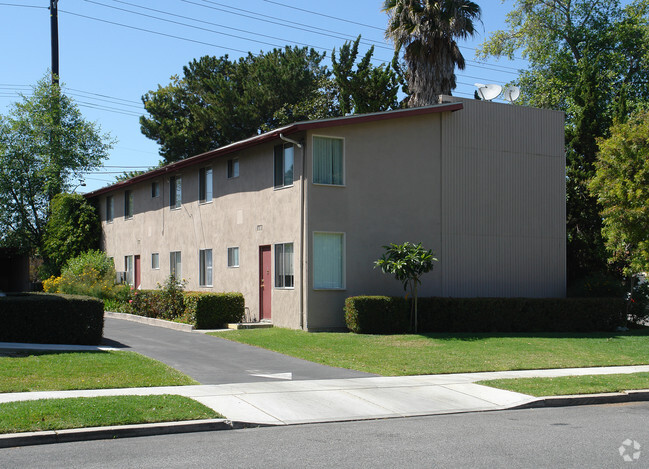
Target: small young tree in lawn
column 407, row 262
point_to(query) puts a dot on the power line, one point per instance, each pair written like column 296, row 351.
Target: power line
column 153, row 32
column 23, row 6
column 325, row 16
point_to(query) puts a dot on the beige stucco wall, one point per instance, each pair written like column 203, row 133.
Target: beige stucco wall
column 246, row 212
column 484, row 187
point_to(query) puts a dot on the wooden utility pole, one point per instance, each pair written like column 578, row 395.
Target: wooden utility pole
column 54, row 28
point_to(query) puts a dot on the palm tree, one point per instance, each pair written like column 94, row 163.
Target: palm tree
column 427, row 30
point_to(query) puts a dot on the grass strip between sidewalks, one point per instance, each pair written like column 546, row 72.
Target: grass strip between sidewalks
column 566, row 385
column 80, row 412
column 420, row 354
column 47, row 371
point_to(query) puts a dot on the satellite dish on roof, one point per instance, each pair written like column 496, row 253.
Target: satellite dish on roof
column 511, row 93
column 488, row 92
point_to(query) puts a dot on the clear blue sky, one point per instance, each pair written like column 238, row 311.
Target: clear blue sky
column 114, row 51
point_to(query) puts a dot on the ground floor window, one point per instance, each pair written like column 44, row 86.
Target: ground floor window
column 155, row 261
column 284, row 265
column 128, row 267
column 233, row 257
column 175, row 265
column 328, row 260
column 205, row 266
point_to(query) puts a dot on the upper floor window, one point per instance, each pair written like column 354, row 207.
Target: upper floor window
column 110, row 209
column 233, row 168
column 283, row 165
column 205, row 185
column 328, row 161
column 155, row 189
column 175, row 191
column 128, row 204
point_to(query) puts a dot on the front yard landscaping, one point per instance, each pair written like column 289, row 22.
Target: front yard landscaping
column 408, row 354
column 566, row 385
column 59, row 414
column 46, row 371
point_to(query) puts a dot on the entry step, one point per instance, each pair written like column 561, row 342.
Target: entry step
column 250, row 325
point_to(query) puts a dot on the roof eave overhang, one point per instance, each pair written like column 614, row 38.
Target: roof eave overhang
column 274, row 135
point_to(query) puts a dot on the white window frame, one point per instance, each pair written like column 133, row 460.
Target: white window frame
column 175, row 260
column 231, row 260
column 283, row 184
column 155, row 261
column 110, row 209
column 280, row 269
column 175, row 192
column 343, row 260
column 313, row 162
column 205, row 268
column 205, row 185
column 232, row 170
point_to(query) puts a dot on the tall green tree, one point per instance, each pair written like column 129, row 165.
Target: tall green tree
column 45, row 144
column 73, row 228
column 219, row 101
column 590, row 59
column 621, row 185
column 427, row 31
column 362, row 87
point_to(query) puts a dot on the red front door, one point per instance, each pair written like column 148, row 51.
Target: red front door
column 138, row 270
column 265, row 281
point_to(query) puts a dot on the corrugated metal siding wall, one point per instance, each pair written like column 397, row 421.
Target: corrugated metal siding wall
column 503, row 202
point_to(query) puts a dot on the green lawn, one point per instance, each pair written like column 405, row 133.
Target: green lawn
column 566, row 385
column 85, row 370
column 58, row 414
column 397, row 355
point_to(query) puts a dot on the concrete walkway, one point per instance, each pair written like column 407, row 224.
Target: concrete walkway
column 310, row 401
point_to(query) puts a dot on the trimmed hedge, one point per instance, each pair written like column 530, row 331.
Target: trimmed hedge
column 51, row 319
column 377, row 315
column 381, row 315
column 213, row 310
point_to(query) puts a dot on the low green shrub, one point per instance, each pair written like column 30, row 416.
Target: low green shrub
column 377, row 314
column 91, row 273
column 372, row 314
column 51, row 319
column 213, row 310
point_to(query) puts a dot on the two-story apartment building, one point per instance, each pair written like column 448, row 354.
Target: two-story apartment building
column 295, row 218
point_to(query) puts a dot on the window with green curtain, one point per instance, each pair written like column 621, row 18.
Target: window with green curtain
column 328, row 260
column 328, row 161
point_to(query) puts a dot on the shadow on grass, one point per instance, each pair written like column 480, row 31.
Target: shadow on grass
column 475, row 336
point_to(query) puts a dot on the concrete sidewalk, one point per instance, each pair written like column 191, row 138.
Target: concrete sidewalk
column 311, row 401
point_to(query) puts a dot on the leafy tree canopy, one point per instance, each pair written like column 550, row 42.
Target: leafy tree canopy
column 73, row 228
column 621, row 185
column 44, row 146
column 218, row 101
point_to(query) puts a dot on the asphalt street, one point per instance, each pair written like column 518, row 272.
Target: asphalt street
column 211, row 360
column 572, row 437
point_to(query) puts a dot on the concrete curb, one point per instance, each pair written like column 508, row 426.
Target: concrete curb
column 121, row 431
column 639, row 395
column 150, row 321
column 165, row 428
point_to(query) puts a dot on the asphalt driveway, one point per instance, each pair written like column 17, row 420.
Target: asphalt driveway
column 211, row 360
